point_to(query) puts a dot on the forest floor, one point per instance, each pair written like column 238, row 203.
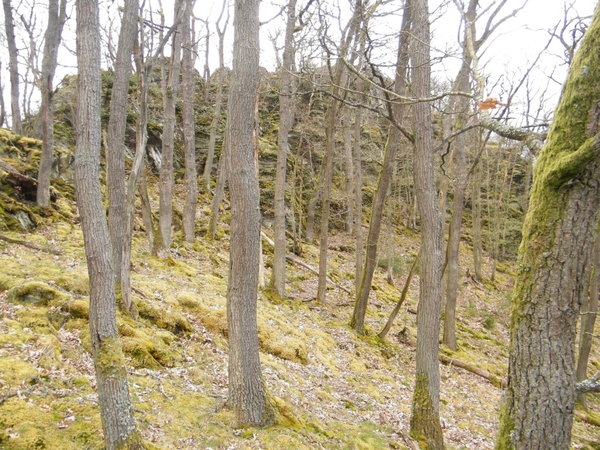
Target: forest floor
column 333, row 389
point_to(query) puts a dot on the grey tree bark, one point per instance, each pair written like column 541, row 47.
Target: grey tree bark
column 208, row 166
column 589, row 312
column 57, row 15
column 425, row 421
column 391, row 149
column 247, row 392
column 168, row 137
column 13, row 68
column 557, row 243
column 118, row 423
column 286, row 117
column 117, row 123
column 330, row 124
column 188, row 90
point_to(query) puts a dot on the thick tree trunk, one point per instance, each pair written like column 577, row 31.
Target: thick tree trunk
column 117, row 124
column 557, row 242
column 168, row 140
column 425, row 421
column 56, row 19
column 120, row 430
column 286, row 117
column 13, row 67
column 189, row 135
column 247, row 391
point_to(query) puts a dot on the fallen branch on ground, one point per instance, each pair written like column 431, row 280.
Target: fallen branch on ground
column 29, row 245
column 306, row 266
column 496, row 381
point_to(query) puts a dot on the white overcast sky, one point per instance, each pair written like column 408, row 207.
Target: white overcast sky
column 508, row 54
column 512, row 49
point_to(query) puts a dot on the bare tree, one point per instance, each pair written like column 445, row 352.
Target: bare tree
column 331, row 117
column 219, row 97
column 57, row 15
column 170, row 96
column 120, row 429
column 188, row 90
column 394, row 140
column 285, row 123
column 117, row 123
column 589, row 312
column 425, row 421
column 247, row 391
column 13, row 67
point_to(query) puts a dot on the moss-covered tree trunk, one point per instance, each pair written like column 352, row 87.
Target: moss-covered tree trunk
column 247, row 392
column 118, row 423
column 425, row 421
column 557, row 241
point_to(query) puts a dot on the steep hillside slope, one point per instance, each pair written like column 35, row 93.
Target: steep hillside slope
column 332, row 388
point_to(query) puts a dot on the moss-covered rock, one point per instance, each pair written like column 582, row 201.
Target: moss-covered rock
column 35, row 293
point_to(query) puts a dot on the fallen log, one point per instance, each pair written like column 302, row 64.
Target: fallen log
column 299, row 262
column 496, row 381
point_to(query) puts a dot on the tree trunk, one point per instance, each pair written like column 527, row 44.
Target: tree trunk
column 358, row 204
column 557, row 243
column 460, row 185
column 117, row 124
column 212, row 139
column 57, row 16
column 247, row 392
column 330, row 123
column 118, row 423
column 286, row 117
column 168, row 140
column 476, row 212
column 588, row 318
column 142, row 186
column 391, row 149
column 189, row 136
column 425, row 421
column 349, row 166
column 13, row 67
column 219, row 192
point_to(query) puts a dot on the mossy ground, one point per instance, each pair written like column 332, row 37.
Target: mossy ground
column 331, row 388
